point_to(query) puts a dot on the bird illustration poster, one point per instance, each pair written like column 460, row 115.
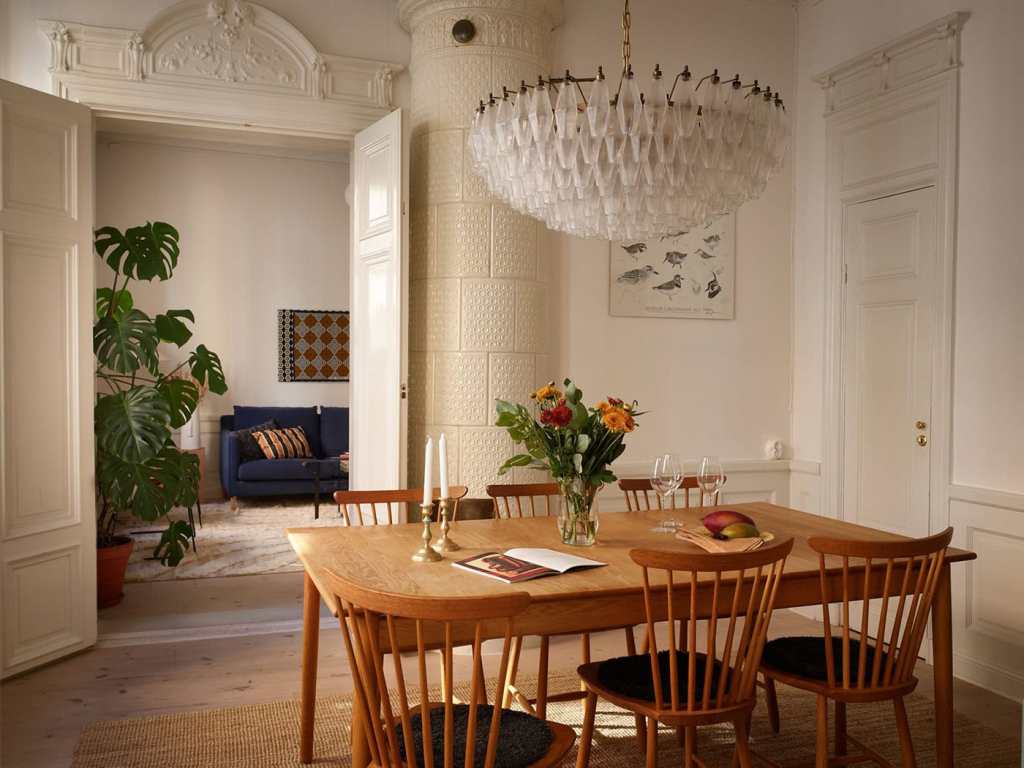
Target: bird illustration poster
column 689, row 273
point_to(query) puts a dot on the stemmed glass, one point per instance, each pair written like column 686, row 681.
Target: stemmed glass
column 710, row 478
column 666, row 477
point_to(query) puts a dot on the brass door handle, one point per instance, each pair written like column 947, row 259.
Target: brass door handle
column 922, row 440
column 921, row 424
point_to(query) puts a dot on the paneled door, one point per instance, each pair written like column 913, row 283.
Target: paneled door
column 378, row 316
column 889, row 247
column 47, row 522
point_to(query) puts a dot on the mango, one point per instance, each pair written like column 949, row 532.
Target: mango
column 716, row 522
column 739, row 531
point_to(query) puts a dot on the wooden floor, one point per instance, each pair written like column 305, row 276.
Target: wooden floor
column 43, row 711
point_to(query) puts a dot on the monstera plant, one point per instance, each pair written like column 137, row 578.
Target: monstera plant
column 138, row 468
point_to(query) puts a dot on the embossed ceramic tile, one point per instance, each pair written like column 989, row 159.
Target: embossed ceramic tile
column 510, row 71
column 444, row 166
column 421, row 379
column 463, row 239
column 417, row 316
column 481, row 451
column 442, row 314
column 511, row 377
column 488, row 314
column 464, row 79
column 514, row 249
column 425, row 94
column 460, row 388
column 417, row 436
column 423, row 241
column 473, row 185
column 531, row 317
column 419, row 169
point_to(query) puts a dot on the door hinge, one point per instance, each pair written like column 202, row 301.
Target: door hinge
column 403, row 207
column 404, row 391
column 846, row 275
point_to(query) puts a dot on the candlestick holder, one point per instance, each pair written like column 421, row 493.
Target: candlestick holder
column 426, row 554
column 445, row 543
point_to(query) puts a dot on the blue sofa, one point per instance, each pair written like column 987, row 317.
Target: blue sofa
column 327, row 430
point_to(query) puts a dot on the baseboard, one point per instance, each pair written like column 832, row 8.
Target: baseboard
column 1005, row 682
column 213, row 632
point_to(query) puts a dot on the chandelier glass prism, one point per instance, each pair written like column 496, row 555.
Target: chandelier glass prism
column 596, row 159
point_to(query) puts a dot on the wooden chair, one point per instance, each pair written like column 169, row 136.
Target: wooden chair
column 398, row 733
column 638, row 491
column 400, row 506
column 513, row 500
column 684, row 687
column 877, row 664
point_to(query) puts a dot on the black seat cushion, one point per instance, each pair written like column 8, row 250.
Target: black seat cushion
column 805, row 657
column 522, row 739
column 630, row 676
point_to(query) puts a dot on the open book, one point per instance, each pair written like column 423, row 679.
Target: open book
column 523, row 564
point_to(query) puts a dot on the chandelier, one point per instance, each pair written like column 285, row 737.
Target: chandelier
column 627, row 163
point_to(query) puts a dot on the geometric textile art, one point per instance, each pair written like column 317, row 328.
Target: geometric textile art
column 312, row 345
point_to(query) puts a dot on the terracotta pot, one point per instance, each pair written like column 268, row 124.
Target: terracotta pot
column 111, row 563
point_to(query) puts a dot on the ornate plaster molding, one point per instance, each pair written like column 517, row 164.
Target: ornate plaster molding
column 926, row 51
column 221, row 63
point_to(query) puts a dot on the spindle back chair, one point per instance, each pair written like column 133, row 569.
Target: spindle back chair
column 370, row 628
column 639, row 493
column 389, row 507
column 691, row 683
column 512, row 500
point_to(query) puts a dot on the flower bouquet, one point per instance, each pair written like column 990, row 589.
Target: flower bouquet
column 574, row 443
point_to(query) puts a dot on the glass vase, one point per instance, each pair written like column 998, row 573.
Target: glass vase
column 577, row 519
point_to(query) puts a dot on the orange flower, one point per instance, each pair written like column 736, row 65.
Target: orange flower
column 547, row 392
column 603, row 407
column 617, row 420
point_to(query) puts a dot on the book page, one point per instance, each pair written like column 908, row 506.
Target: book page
column 550, row 558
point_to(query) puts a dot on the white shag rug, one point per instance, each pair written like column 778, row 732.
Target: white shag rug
column 245, row 540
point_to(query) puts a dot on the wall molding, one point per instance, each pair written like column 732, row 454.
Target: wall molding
column 222, row 63
column 987, row 497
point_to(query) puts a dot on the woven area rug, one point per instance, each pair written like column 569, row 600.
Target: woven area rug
column 241, row 541
column 266, row 736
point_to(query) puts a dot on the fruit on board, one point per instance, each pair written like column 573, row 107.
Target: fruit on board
column 739, row 531
column 716, row 522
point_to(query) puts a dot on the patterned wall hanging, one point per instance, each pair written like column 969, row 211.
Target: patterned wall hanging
column 312, row 345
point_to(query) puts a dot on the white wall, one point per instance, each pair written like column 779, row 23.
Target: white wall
column 711, row 386
column 258, row 233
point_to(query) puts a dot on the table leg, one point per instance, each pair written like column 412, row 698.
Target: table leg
column 310, row 648
column 942, row 663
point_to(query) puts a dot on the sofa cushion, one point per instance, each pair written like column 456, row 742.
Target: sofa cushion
column 286, row 469
column 307, row 418
column 284, row 443
column 333, row 430
column 248, row 448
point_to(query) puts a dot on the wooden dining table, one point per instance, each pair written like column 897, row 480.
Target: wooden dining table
column 593, row 600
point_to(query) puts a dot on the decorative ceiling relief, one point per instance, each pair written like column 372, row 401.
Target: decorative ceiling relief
column 252, row 67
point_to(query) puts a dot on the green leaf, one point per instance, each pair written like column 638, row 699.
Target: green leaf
column 580, row 415
column 126, row 344
column 505, row 419
column 187, row 466
column 133, row 424
column 504, row 406
column 122, row 302
column 146, row 489
column 174, row 543
column 206, row 369
column 171, row 329
column 572, row 394
column 520, row 460
column 144, row 252
column 182, row 398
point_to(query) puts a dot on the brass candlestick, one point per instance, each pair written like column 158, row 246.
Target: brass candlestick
column 445, row 544
column 426, row 554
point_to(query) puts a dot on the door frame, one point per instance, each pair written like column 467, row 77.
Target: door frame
column 937, row 95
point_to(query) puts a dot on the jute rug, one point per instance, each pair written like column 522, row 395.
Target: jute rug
column 266, row 736
column 234, row 541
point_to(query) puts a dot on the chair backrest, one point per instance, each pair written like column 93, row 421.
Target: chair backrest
column 370, row 627
column 639, row 494
column 401, row 505
column 734, row 595
column 524, row 499
column 909, row 573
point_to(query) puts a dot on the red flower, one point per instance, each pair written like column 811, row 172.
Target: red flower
column 559, row 416
column 614, row 402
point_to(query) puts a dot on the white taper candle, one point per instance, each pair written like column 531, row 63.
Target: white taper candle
column 428, row 472
column 442, row 452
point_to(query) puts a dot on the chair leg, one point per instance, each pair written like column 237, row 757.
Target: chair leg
column 821, row 740
column 587, row 737
column 510, row 675
column 772, row 700
column 903, row 727
column 542, row 680
column 840, row 728
column 584, row 654
column 743, row 744
column 689, row 746
column 652, row 743
column 641, row 733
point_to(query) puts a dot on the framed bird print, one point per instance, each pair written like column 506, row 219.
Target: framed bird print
column 689, row 273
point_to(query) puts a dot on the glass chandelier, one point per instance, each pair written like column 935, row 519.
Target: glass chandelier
column 622, row 165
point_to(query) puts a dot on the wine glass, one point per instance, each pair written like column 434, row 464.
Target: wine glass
column 666, row 477
column 710, row 477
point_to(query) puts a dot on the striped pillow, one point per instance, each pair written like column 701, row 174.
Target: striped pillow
column 286, row 443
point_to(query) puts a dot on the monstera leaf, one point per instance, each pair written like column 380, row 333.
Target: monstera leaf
column 173, row 543
column 134, row 424
column 144, row 252
column 115, row 305
column 182, row 398
column 146, row 489
column 170, row 328
column 127, row 343
column 206, row 369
